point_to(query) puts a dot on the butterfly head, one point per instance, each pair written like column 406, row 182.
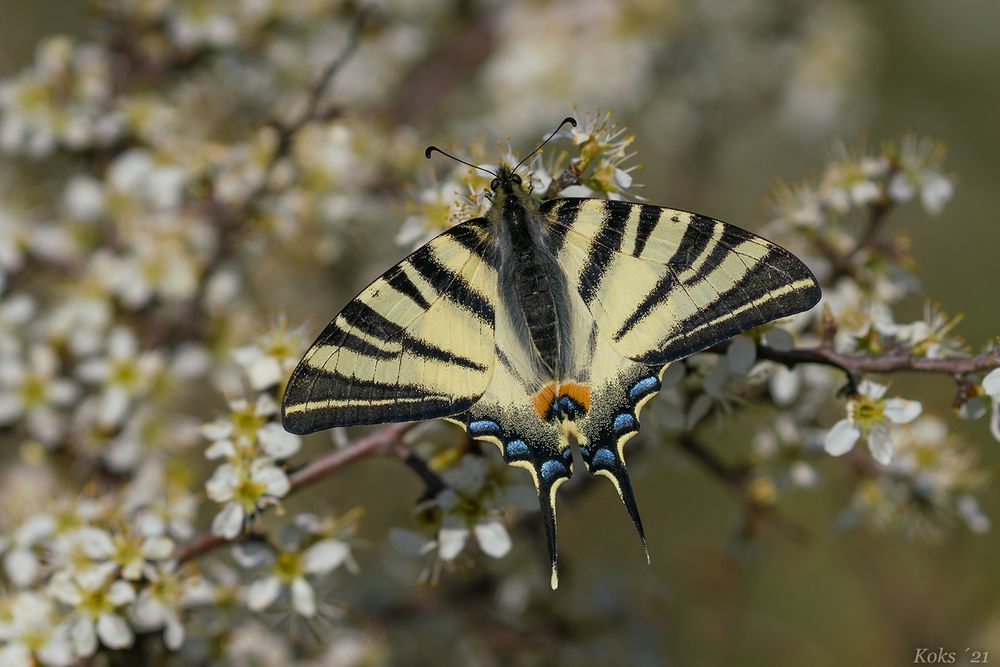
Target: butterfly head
column 506, row 180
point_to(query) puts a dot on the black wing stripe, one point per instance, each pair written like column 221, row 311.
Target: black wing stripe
column 731, row 237
column 335, row 335
column 649, row 218
column 696, row 238
column 728, row 314
column 359, row 315
column 430, row 351
column 336, row 386
column 606, row 244
column 565, row 217
column 472, row 236
column 365, row 319
column 449, row 284
column 401, row 282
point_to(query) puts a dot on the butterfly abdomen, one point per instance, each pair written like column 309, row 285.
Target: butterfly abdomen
column 530, row 273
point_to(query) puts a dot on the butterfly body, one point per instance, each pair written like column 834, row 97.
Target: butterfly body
column 543, row 324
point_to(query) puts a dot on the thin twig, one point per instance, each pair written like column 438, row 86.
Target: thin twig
column 386, row 441
column 570, row 175
column 893, row 362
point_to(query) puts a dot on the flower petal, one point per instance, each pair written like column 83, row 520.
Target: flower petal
column 902, row 411
column 229, row 522
column 995, row 419
column 872, row 389
column 451, row 541
column 303, row 598
column 741, row 355
column 493, row 538
column 173, row 635
column 784, row 385
column 157, row 548
column 273, row 478
column 114, row 631
column 263, row 592
column 221, row 486
column 83, row 636
column 842, row 437
column 324, row 556
column 277, row 442
column 991, row 383
column 121, row 593
column 880, row 444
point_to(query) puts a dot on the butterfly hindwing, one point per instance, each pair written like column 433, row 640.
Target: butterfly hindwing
column 619, row 389
column 417, row 343
column 663, row 284
column 513, row 414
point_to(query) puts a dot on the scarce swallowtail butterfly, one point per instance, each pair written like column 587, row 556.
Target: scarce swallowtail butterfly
column 540, row 323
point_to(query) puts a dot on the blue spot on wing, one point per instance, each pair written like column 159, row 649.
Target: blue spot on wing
column 603, row 457
column 552, row 469
column 625, row 422
column 516, row 448
column 643, row 387
column 484, row 427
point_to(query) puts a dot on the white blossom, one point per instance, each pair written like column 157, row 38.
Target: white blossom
column 871, row 416
column 33, row 632
column 32, row 389
column 98, row 603
column 291, row 570
column 124, row 374
column 243, row 489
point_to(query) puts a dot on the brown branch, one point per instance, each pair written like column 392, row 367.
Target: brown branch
column 386, row 441
column 843, row 264
column 892, row 362
column 565, row 178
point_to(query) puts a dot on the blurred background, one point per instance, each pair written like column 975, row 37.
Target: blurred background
column 724, row 98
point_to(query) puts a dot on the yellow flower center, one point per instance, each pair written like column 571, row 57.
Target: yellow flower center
column 96, row 602
column 867, row 411
column 246, row 423
column 249, row 492
column 288, row 566
column 124, row 372
column 127, row 550
column 35, row 639
column 33, row 391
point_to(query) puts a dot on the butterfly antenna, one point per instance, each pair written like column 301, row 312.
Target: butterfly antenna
column 430, row 150
column 568, row 119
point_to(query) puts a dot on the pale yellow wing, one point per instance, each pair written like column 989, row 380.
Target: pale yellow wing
column 663, row 284
column 417, row 343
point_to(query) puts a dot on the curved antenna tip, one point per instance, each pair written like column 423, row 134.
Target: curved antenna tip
column 429, row 150
column 570, row 120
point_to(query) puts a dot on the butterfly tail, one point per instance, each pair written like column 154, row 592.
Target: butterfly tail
column 608, row 462
column 547, row 502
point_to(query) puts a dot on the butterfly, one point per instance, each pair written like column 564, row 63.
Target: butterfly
column 543, row 322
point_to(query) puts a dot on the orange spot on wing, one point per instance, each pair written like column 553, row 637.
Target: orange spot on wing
column 543, row 399
column 578, row 392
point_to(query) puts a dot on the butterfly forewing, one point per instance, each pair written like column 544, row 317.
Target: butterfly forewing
column 417, row 343
column 663, row 284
